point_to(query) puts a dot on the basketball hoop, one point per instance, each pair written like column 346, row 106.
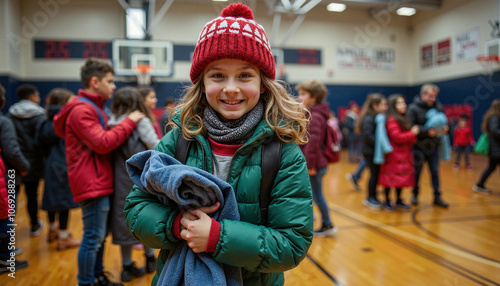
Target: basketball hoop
column 488, row 62
column 143, row 73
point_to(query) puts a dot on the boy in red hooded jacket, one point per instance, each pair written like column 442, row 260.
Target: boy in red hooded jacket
column 89, row 143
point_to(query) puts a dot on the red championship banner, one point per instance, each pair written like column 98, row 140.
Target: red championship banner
column 443, row 52
column 426, row 56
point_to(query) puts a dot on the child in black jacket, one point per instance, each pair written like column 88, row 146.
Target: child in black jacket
column 375, row 103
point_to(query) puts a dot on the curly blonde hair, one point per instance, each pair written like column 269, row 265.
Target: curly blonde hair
column 285, row 115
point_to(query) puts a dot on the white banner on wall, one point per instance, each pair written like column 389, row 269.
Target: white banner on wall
column 373, row 59
column 467, row 45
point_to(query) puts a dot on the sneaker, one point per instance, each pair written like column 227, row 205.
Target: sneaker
column 150, row 264
column 68, row 242
column 373, row 203
column 35, row 230
column 326, row 230
column 353, row 182
column 388, row 207
column 456, row 166
column 440, row 203
column 17, row 251
column 7, row 266
column 469, row 167
column 481, row 190
column 131, row 272
column 53, row 234
column 402, row 206
column 414, row 201
column 102, row 280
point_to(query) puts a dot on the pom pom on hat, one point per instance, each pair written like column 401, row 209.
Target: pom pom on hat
column 233, row 35
column 237, row 10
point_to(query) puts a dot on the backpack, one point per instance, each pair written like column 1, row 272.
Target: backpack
column 270, row 158
column 332, row 145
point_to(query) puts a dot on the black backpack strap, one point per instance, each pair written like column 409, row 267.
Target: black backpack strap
column 271, row 159
column 182, row 148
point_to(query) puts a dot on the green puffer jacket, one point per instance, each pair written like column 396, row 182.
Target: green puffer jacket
column 262, row 252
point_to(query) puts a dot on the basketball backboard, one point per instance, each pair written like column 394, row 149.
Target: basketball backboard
column 128, row 54
column 492, row 47
column 278, row 57
column 490, row 59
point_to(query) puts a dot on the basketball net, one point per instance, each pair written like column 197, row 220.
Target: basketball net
column 488, row 62
column 143, row 73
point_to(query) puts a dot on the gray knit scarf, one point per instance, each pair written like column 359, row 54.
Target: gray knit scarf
column 235, row 131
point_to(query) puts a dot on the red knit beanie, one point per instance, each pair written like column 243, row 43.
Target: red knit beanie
column 233, row 35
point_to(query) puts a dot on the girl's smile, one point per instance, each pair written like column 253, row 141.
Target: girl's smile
column 232, row 102
column 232, row 87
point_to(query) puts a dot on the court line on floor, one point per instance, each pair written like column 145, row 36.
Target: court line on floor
column 428, row 254
column 443, row 240
column 330, row 276
column 431, row 221
column 410, row 236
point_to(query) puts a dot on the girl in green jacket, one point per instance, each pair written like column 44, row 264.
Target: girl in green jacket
column 232, row 108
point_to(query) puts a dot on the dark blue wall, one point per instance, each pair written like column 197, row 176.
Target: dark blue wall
column 163, row 89
column 477, row 90
column 341, row 95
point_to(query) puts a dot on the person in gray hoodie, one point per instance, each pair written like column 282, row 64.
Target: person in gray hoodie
column 11, row 152
column 26, row 115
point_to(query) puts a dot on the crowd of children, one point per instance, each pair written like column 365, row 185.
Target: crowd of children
column 413, row 142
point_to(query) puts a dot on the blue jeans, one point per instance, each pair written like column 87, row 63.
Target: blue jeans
column 460, row 150
column 354, row 150
column 95, row 217
column 317, row 190
column 361, row 166
column 432, row 158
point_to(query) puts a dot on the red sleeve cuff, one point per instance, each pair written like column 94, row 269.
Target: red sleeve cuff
column 176, row 226
column 213, row 238
column 134, row 124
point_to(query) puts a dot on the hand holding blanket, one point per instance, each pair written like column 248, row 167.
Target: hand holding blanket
column 187, row 187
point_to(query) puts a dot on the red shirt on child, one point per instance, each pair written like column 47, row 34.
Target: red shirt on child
column 462, row 136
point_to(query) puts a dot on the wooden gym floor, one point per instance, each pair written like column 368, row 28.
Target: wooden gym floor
column 424, row 246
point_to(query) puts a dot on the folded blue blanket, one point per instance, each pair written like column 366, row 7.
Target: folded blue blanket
column 382, row 143
column 438, row 120
column 187, row 187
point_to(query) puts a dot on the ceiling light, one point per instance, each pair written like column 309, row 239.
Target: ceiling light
column 335, row 7
column 219, row 0
column 406, row 11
